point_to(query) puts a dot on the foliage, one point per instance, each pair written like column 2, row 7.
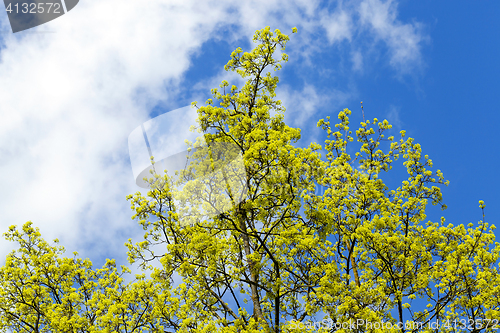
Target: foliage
column 42, row 292
column 284, row 255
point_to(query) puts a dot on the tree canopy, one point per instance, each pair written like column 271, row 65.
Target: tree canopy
column 283, row 257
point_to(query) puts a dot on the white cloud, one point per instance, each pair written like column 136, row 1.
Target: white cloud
column 69, row 100
column 338, row 25
column 357, row 61
column 302, row 105
column 350, row 20
column 404, row 40
column 393, row 116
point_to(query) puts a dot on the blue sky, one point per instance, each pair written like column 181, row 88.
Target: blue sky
column 69, row 99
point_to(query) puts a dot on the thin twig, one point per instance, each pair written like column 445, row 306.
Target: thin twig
column 362, row 111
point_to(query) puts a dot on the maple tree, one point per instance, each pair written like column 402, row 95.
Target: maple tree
column 283, row 257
